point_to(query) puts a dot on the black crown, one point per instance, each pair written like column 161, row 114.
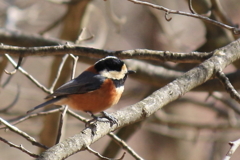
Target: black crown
column 110, row 64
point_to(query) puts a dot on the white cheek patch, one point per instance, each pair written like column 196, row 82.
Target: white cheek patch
column 115, row 74
column 112, row 74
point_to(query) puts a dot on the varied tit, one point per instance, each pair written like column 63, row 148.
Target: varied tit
column 97, row 88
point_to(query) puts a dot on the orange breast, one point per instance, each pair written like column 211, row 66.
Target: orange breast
column 96, row 101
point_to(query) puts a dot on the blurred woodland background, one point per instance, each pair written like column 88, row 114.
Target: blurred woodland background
column 197, row 126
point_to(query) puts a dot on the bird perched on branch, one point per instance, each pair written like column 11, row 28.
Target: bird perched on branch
column 97, row 88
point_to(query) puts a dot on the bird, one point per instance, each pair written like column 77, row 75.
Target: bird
column 96, row 89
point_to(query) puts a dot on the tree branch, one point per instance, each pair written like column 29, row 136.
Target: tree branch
column 125, row 146
column 170, row 11
column 102, row 157
column 229, row 88
column 192, row 57
column 28, row 116
column 18, row 147
column 149, row 105
column 21, row 133
column 234, row 145
column 28, row 75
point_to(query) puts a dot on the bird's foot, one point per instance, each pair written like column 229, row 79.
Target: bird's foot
column 104, row 118
column 112, row 120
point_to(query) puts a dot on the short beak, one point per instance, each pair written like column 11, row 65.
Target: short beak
column 131, row 71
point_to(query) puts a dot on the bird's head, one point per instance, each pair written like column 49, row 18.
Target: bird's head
column 112, row 67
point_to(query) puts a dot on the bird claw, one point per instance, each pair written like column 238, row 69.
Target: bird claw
column 105, row 118
column 112, row 120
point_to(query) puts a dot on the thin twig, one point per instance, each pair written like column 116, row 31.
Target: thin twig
column 124, row 133
column 28, row 116
column 64, row 58
column 191, row 7
column 166, row 17
column 234, row 145
column 125, row 146
column 55, row 81
column 19, row 147
column 80, row 39
column 27, row 75
column 10, row 72
column 23, row 134
column 101, row 156
column 77, row 116
column 228, row 102
column 145, row 54
column 13, row 103
column 7, row 81
column 194, row 12
column 20, row 58
column 61, row 124
column 220, row 12
column 169, row 11
column 228, row 86
column 75, row 60
column 3, row 65
column 112, row 135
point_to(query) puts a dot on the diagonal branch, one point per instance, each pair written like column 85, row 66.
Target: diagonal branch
column 3, row 110
column 125, row 146
column 58, row 73
column 29, row 116
column 103, row 157
column 21, row 133
column 234, row 145
column 27, row 74
column 20, row 59
column 228, row 86
column 18, row 147
column 143, row 109
column 60, row 126
column 191, row 7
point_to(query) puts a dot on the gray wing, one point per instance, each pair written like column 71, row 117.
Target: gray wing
column 85, row 82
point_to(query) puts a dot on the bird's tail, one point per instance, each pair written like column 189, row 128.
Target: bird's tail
column 45, row 104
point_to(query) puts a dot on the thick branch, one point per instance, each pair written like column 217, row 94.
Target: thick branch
column 149, row 105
